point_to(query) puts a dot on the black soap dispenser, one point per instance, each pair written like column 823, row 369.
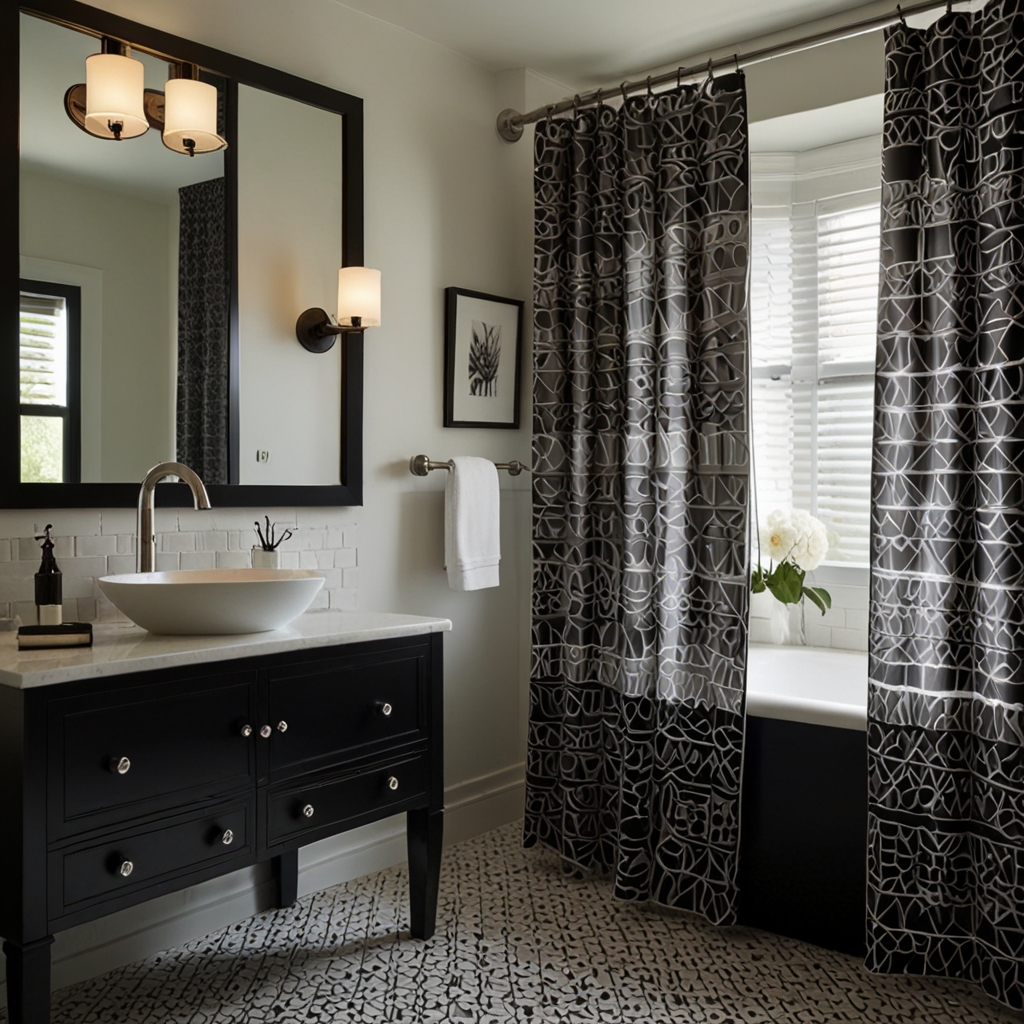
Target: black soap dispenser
column 49, row 588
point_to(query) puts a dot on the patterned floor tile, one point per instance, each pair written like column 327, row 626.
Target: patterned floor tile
column 517, row 941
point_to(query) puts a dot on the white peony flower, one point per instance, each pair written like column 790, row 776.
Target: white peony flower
column 778, row 536
column 814, row 544
column 796, row 536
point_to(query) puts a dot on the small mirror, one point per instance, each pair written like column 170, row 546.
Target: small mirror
column 125, row 286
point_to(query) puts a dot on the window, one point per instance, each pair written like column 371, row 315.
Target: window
column 814, row 296
column 49, row 354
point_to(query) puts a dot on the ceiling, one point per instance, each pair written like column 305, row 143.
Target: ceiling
column 587, row 43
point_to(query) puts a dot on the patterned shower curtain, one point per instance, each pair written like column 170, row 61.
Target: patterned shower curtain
column 640, row 492
column 946, row 721
column 202, row 432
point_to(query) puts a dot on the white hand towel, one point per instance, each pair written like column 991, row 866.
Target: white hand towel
column 472, row 543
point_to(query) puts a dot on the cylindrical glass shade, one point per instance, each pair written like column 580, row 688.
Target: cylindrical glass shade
column 358, row 296
column 190, row 117
column 113, row 96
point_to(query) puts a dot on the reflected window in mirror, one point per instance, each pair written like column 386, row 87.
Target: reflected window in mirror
column 49, row 349
column 141, row 230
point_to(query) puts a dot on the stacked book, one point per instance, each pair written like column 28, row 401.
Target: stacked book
column 67, row 634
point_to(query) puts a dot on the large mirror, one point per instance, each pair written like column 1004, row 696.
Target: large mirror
column 157, row 293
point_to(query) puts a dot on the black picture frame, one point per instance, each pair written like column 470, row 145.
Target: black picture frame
column 458, row 386
column 235, row 70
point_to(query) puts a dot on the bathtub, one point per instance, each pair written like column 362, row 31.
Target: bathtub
column 803, row 811
column 815, row 685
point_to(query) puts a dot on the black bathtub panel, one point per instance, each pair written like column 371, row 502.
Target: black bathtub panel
column 804, row 832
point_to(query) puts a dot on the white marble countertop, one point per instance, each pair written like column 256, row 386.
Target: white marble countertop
column 122, row 648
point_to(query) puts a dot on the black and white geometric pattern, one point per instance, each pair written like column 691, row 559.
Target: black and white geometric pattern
column 203, row 328
column 518, row 940
column 946, row 721
column 640, row 493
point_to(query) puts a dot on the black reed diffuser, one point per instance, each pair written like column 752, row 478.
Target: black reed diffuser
column 265, row 555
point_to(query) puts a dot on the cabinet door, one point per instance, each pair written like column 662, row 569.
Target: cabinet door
column 120, row 755
column 327, row 711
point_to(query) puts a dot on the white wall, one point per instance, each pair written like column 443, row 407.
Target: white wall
column 446, row 204
column 125, row 238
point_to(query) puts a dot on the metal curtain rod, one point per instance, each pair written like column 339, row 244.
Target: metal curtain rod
column 420, row 465
column 511, row 122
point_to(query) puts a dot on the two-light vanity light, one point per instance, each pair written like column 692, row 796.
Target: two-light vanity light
column 114, row 104
column 358, row 308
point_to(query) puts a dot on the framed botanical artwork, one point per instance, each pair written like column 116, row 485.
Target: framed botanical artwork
column 482, row 347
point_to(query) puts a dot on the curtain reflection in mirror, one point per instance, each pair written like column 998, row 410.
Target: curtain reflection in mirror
column 202, row 421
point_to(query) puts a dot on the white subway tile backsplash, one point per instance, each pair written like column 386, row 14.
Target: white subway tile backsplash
column 198, row 560
column 232, row 559
column 102, row 545
column 5, row 549
column 344, row 558
column 117, row 564
column 844, row 625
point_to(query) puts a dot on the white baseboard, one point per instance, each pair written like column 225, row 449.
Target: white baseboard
column 471, row 808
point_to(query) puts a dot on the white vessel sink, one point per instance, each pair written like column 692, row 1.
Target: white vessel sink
column 213, row 600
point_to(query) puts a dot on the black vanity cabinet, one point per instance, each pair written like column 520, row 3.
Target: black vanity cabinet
column 119, row 789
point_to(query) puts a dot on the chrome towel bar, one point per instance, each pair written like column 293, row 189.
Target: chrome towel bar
column 420, row 465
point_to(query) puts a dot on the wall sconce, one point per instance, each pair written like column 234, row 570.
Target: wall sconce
column 112, row 103
column 190, row 113
column 114, row 84
column 358, row 308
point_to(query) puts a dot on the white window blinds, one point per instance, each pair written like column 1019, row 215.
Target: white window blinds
column 43, row 350
column 814, row 296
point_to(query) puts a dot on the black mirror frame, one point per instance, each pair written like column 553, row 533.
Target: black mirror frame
column 236, row 70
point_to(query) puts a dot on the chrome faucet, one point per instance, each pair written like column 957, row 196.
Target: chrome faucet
column 145, row 542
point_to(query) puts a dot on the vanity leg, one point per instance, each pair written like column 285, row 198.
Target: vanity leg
column 425, row 829
column 28, row 981
column 285, row 870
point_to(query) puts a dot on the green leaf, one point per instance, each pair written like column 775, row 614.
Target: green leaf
column 757, row 581
column 822, row 598
column 786, row 583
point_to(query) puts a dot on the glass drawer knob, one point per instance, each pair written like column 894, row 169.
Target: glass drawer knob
column 126, row 868
column 228, row 838
column 120, row 765
column 392, row 783
column 307, row 811
column 282, row 726
column 266, row 731
column 246, row 731
column 386, row 709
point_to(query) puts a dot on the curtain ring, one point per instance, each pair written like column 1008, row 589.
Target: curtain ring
column 736, row 57
column 949, row 7
column 679, row 78
column 622, row 89
column 600, row 99
column 899, row 12
column 711, row 70
column 576, row 106
column 650, row 91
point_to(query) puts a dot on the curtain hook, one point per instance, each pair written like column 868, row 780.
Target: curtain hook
column 679, row 78
column 622, row 89
column 600, row 99
column 711, row 70
column 949, row 6
column 736, row 57
column 576, row 106
column 899, row 12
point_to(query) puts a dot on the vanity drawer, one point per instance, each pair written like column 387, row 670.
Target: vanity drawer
column 137, row 860
column 327, row 711
column 371, row 792
column 114, row 756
